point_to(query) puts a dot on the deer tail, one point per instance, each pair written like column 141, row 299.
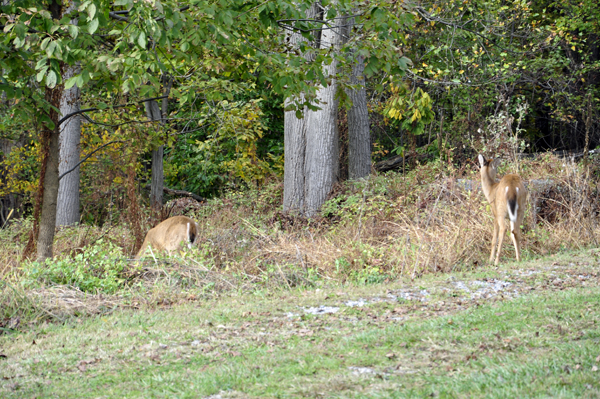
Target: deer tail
column 189, row 238
column 513, row 206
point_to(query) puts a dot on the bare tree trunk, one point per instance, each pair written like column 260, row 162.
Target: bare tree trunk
column 293, row 174
column 158, row 176
column 321, row 165
column 295, row 146
column 157, row 184
column 359, row 134
column 49, row 181
column 67, row 211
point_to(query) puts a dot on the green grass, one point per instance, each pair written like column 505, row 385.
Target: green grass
column 544, row 343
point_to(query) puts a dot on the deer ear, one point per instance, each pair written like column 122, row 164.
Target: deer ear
column 481, row 160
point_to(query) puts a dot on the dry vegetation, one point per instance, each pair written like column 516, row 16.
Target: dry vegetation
column 433, row 219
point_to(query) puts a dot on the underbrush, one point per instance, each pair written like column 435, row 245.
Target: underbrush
column 433, row 219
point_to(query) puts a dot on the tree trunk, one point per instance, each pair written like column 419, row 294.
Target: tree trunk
column 295, row 150
column 295, row 145
column 321, row 161
column 322, row 147
column 49, row 171
column 67, row 212
column 157, row 183
column 49, row 181
column 359, row 134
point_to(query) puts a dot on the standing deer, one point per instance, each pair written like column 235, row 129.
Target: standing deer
column 170, row 234
column 507, row 198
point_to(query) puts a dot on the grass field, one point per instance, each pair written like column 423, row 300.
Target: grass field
column 522, row 330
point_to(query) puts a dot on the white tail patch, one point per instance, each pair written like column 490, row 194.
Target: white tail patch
column 189, row 244
column 513, row 216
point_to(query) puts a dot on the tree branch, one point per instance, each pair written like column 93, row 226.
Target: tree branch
column 87, row 156
column 81, row 111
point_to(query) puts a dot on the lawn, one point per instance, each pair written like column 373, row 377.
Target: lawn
column 521, row 330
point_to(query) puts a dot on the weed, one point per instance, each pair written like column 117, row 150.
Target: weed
column 97, row 269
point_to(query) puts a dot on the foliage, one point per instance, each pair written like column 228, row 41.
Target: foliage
column 22, row 165
column 501, row 140
column 130, row 44
column 413, row 108
column 132, row 48
column 227, row 143
column 112, row 149
column 97, row 269
column 478, row 60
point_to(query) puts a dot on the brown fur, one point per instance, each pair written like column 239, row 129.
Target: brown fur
column 509, row 192
column 170, row 234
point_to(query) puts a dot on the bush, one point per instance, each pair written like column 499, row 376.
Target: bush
column 98, row 269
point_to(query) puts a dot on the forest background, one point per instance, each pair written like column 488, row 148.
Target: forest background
column 221, row 90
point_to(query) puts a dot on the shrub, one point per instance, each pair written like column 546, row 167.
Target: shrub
column 98, row 269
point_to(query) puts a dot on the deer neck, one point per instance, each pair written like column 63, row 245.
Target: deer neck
column 488, row 186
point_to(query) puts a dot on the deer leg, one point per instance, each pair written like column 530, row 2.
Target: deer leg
column 501, row 235
column 516, row 236
column 494, row 240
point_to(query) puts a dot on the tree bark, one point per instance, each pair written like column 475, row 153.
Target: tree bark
column 157, row 183
column 321, row 161
column 295, row 145
column 50, row 148
column 293, row 173
column 48, row 191
column 322, row 147
column 359, row 134
column 67, row 212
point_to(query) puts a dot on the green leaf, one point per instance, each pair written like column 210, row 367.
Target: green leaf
column 142, row 40
column 50, row 49
column 73, row 31
column 93, row 26
column 102, row 105
column 45, row 119
column 40, row 76
column 71, row 82
column 91, row 11
column 51, row 79
column 44, row 43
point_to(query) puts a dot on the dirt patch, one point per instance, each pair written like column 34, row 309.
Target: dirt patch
column 456, row 294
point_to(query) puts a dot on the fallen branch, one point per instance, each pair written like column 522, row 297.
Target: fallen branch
column 181, row 193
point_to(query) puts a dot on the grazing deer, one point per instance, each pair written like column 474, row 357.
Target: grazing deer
column 170, row 234
column 507, row 198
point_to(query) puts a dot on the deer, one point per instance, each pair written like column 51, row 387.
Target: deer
column 507, row 198
column 170, row 234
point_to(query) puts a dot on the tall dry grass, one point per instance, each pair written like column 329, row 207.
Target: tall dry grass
column 433, row 219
